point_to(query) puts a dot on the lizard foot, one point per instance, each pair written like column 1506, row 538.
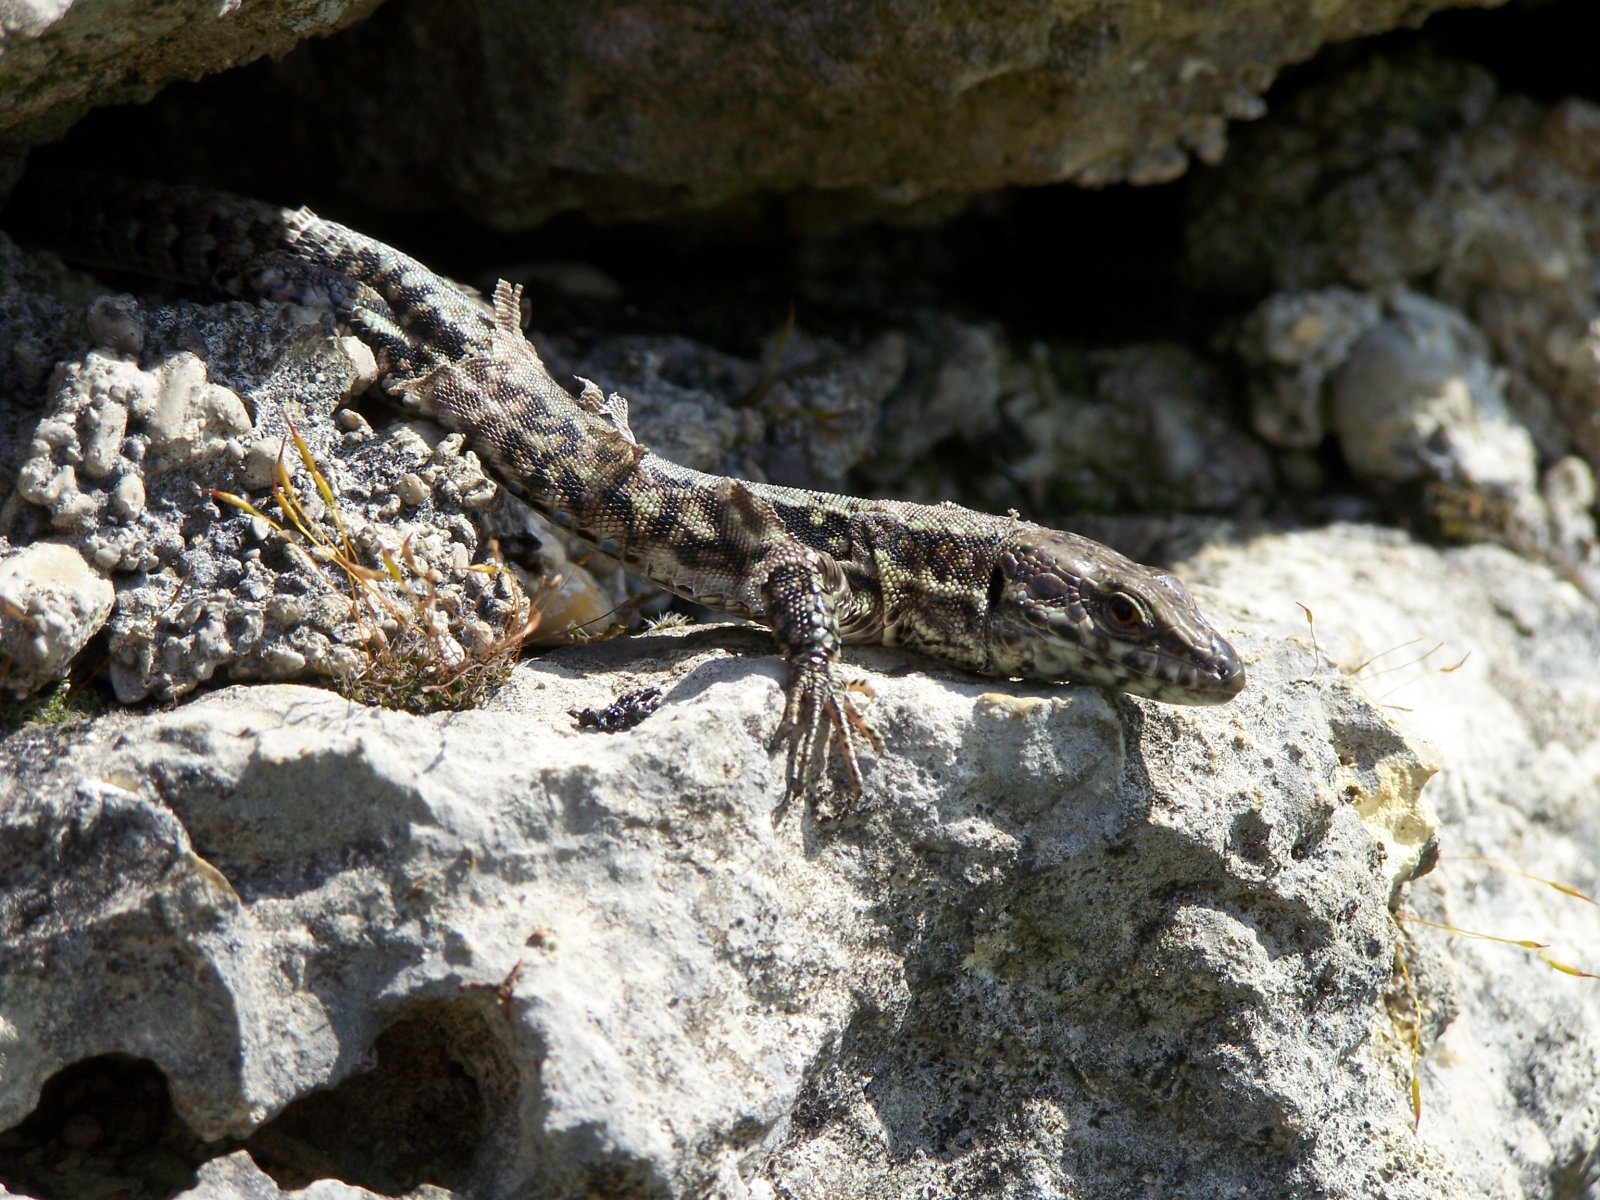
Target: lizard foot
column 818, row 712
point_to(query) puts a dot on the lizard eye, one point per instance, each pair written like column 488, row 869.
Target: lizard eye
column 1124, row 611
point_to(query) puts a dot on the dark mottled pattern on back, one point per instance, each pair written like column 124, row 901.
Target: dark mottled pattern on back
column 990, row 594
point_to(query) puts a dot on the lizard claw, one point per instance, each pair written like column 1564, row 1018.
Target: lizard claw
column 818, row 712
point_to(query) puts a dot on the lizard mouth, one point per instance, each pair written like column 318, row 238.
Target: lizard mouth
column 1210, row 674
column 1201, row 672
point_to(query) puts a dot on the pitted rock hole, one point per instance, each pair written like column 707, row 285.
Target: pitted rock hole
column 103, row 1127
column 106, row 1126
column 421, row 1114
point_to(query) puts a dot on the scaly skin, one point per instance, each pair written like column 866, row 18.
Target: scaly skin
column 992, row 595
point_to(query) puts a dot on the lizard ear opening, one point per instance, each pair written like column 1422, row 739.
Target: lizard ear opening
column 997, row 585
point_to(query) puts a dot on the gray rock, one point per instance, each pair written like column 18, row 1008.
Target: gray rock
column 654, row 107
column 89, row 477
column 647, row 108
column 1409, row 390
column 806, row 420
column 1491, row 661
column 1293, row 342
column 1066, row 944
column 1416, row 172
column 236, row 1177
column 51, row 604
column 1419, row 398
column 61, row 58
column 155, row 413
column 951, row 390
column 1135, row 428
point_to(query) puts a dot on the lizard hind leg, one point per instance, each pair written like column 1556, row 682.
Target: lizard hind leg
column 279, row 276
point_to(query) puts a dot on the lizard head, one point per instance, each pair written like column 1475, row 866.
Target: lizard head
column 1064, row 607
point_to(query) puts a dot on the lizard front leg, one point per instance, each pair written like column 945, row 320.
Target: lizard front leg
column 801, row 589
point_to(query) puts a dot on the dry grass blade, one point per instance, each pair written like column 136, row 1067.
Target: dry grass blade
column 1538, row 948
column 1566, row 889
column 1416, row 1034
column 417, row 655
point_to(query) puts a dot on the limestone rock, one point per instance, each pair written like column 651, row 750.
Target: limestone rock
column 630, row 110
column 158, row 413
column 1433, row 250
column 1415, row 172
column 51, row 604
column 637, row 109
column 1090, row 943
column 60, row 58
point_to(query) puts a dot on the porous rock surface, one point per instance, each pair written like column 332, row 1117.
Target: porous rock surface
column 1420, row 247
column 53, row 602
column 1068, row 944
column 1491, row 661
column 124, row 454
column 1415, row 173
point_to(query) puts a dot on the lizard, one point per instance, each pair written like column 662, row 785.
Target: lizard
column 993, row 595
